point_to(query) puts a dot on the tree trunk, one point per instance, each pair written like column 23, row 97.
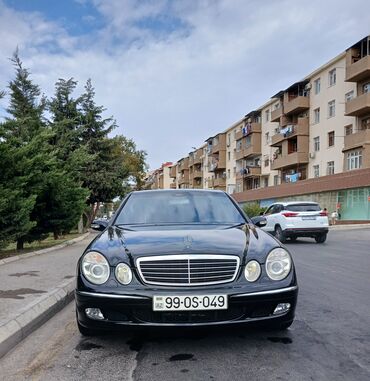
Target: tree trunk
column 81, row 226
column 20, row 244
column 56, row 234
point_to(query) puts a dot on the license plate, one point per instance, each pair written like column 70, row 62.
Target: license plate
column 189, row 302
column 308, row 218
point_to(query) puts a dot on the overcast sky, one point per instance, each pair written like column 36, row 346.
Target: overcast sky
column 173, row 73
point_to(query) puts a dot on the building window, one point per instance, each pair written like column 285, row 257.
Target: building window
column 316, row 115
column 234, row 170
column 238, row 145
column 266, row 162
column 366, row 88
column 330, row 168
column 267, row 138
column 348, row 130
column 331, row 139
column 276, row 180
column 365, row 124
column 228, row 139
column 316, row 171
column 316, row 143
column 349, row 95
column 235, row 132
column 332, row 77
column 266, row 182
column 331, row 108
column 317, row 85
column 248, row 141
column 354, row 160
column 228, row 155
column 267, row 115
column 228, row 173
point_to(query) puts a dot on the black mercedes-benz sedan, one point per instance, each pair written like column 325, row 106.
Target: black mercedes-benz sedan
column 183, row 258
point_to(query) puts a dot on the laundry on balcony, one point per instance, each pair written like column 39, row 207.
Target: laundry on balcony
column 244, row 171
column 247, row 129
column 293, row 178
column 287, row 131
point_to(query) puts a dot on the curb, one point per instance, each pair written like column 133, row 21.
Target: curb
column 43, row 251
column 349, row 227
column 34, row 315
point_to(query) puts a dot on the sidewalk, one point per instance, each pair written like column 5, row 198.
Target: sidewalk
column 349, row 226
column 33, row 288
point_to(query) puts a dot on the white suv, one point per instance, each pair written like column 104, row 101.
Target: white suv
column 297, row 219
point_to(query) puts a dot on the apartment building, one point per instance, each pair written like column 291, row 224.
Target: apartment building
column 310, row 140
column 159, row 178
column 216, row 150
column 195, row 169
column 248, row 152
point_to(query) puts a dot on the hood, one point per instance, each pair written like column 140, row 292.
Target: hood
column 117, row 244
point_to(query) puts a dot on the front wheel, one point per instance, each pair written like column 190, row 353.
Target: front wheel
column 321, row 238
column 279, row 234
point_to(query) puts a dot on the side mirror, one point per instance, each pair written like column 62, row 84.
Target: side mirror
column 99, row 225
column 259, row 221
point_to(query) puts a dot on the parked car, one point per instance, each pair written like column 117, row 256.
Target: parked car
column 297, row 219
column 183, row 258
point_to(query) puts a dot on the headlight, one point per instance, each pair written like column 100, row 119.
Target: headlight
column 252, row 271
column 123, row 273
column 95, row 267
column 278, row 264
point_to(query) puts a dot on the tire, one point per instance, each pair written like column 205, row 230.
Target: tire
column 321, row 238
column 279, row 234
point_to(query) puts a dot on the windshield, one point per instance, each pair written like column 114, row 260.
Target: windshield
column 303, row 208
column 179, row 208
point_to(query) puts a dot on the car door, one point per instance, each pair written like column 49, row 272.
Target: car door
column 270, row 218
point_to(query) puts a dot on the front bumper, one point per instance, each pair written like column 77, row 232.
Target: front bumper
column 136, row 309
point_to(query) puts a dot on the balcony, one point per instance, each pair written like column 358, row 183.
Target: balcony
column 220, row 144
column 358, row 70
column 173, row 172
column 184, row 179
column 251, row 172
column 197, row 158
column 358, row 139
column 173, row 186
column 358, row 106
column 254, row 127
column 300, row 128
column 289, row 160
column 219, row 182
column 183, row 164
column 276, row 114
column 197, row 174
column 296, row 105
column 217, row 164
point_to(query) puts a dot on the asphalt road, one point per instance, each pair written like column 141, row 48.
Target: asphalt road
column 330, row 339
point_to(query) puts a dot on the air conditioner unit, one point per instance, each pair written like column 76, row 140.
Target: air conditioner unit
column 308, row 86
column 312, row 155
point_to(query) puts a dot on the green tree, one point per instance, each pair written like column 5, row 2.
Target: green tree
column 44, row 179
column 116, row 159
column 253, row 209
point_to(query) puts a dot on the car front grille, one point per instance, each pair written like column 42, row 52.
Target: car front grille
column 188, row 270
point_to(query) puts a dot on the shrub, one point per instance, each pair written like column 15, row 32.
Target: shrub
column 253, row 209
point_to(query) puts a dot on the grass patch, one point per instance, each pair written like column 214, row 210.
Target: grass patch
column 11, row 250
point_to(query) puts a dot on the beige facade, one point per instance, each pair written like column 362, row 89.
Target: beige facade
column 318, row 126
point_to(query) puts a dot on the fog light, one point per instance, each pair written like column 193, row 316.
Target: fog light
column 281, row 308
column 94, row 313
